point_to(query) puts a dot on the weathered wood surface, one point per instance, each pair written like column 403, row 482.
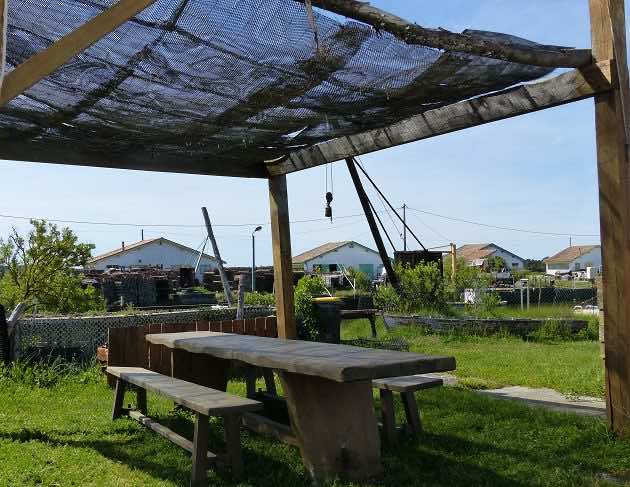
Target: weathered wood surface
column 407, row 383
column 565, row 88
column 57, row 54
column 193, row 396
column 335, row 426
column 613, row 163
column 3, row 47
column 340, row 363
column 388, row 417
column 267, row 427
column 442, row 39
column 282, row 257
column 167, row 433
column 217, row 255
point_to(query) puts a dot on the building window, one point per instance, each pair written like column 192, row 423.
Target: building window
column 332, row 268
column 515, row 265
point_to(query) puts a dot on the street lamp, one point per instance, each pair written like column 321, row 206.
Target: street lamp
column 257, row 229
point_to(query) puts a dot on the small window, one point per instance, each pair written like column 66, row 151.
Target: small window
column 515, row 265
column 139, row 261
column 332, row 268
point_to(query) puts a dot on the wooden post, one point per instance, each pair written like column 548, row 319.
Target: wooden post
column 217, row 256
column 365, row 203
column 608, row 37
column 3, row 34
column 454, row 260
column 282, row 259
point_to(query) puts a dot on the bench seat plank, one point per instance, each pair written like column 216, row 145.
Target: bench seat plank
column 195, row 397
column 407, row 383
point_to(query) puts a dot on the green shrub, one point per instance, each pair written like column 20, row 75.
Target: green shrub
column 260, row 299
column 551, row 330
column 306, row 316
column 360, row 279
column 49, row 373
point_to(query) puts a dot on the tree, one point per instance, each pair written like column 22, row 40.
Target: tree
column 359, row 278
column 496, row 263
column 535, row 265
column 41, row 269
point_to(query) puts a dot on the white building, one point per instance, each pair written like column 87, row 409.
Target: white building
column 575, row 258
column 156, row 252
column 330, row 257
column 477, row 254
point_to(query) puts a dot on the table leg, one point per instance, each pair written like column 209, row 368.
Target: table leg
column 335, row 426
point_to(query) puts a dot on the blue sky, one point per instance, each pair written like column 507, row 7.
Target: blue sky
column 536, row 172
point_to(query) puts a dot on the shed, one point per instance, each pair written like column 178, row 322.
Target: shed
column 334, row 256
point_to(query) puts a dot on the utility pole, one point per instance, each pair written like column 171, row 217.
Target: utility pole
column 365, row 203
column 142, row 234
column 217, row 256
column 454, row 260
column 405, row 227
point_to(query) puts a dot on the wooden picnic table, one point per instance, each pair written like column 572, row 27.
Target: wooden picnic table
column 328, row 389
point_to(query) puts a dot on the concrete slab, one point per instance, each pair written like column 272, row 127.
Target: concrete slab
column 589, row 406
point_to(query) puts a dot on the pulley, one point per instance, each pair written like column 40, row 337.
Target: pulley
column 328, row 209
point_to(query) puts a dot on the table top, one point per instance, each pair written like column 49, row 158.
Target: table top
column 341, row 363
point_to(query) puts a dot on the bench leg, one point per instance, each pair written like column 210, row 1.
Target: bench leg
column 388, row 416
column 250, row 380
column 119, row 396
column 199, row 476
column 412, row 413
column 232, row 427
column 141, row 399
column 373, row 325
column 270, row 382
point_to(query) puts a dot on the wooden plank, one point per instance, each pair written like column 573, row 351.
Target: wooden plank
column 203, row 325
column 412, row 33
column 250, row 326
column 411, row 412
column 335, row 426
column 167, row 433
column 40, row 65
column 271, row 327
column 193, row 396
column 407, row 383
column 340, row 363
column 267, row 427
column 3, row 30
column 388, row 417
column 217, row 255
column 238, row 326
column 613, row 163
column 282, row 258
column 565, row 88
column 232, row 435
column 215, row 326
column 376, row 234
column 259, row 325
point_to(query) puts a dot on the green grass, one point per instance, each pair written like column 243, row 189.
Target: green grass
column 62, row 436
column 570, row 367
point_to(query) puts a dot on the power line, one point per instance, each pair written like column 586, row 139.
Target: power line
column 165, row 225
column 511, row 229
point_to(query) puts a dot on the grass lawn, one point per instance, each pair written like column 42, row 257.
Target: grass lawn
column 61, row 435
column 570, row 367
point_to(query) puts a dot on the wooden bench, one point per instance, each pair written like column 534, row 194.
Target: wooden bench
column 369, row 314
column 406, row 386
column 203, row 401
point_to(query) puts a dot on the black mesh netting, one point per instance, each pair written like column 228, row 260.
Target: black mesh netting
column 219, row 86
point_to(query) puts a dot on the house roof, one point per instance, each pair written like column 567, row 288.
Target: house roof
column 142, row 243
column 324, row 249
column 472, row 252
column 571, row 253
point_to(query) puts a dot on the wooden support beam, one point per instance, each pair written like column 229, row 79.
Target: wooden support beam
column 442, row 39
column 365, row 203
column 613, row 163
column 568, row 87
column 3, row 36
column 56, row 55
column 282, row 258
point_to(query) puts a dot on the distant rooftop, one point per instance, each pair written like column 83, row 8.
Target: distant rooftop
column 141, row 243
column 571, row 253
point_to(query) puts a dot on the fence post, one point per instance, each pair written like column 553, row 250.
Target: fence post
column 5, row 348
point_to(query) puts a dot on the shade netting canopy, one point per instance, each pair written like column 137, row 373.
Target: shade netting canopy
column 220, row 86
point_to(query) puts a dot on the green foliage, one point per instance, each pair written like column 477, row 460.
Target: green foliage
column 48, row 373
column 496, row 263
column 360, row 279
column 550, row 331
column 421, row 288
column 258, row 298
column 535, row 265
column 467, row 277
column 486, row 305
column 306, row 289
column 40, row 269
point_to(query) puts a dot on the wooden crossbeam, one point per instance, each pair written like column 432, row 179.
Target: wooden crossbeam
column 56, row 55
column 442, row 39
column 568, row 87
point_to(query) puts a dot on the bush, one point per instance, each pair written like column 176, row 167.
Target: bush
column 360, row 279
column 260, row 299
column 421, row 288
column 307, row 288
